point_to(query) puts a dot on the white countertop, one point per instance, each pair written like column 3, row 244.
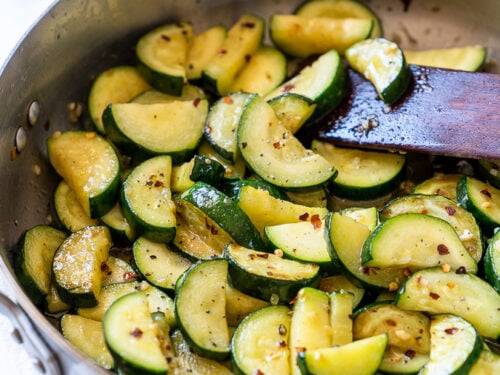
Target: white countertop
column 16, row 16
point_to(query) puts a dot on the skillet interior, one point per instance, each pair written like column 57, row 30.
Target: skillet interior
column 58, row 59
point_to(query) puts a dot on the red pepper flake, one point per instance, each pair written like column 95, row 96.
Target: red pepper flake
column 129, row 276
column 213, row 230
column 248, row 24
column 251, row 256
column 288, row 88
column 451, row 331
column 391, row 322
column 104, row 267
column 282, row 344
column 461, row 270
column 136, row 333
column 222, row 51
column 434, row 296
column 486, row 193
column 450, row 210
column 158, row 183
column 316, row 221
column 443, row 249
column 227, row 100
column 410, row 353
column 196, row 102
column 263, row 256
column 300, row 349
column 277, row 145
column 258, row 372
column 304, row 216
column 165, row 37
column 424, row 211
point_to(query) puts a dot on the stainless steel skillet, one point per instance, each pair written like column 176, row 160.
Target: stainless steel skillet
column 54, row 66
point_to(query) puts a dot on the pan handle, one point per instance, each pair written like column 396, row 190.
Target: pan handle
column 25, row 333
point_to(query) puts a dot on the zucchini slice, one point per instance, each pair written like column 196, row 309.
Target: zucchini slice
column 90, row 166
column 345, row 359
column 243, row 39
column 234, row 169
column 239, row 305
column 315, row 197
column 468, row 58
column 362, row 174
column 492, row 261
column 293, row 110
column 416, row 241
column 324, row 82
column 77, row 264
column 200, row 308
column 382, row 62
column 115, row 220
column 158, row 264
column 487, row 363
column 265, row 70
column 274, row 153
column 221, row 125
column 88, row 337
column 226, row 213
column 310, row 327
column 268, row 276
column 455, row 346
column 114, row 85
column 147, row 202
column 341, row 305
column 462, row 221
column 116, row 270
column 152, row 96
column 343, row 284
column 444, row 184
column 233, row 188
column 132, row 336
column 207, row 170
column 435, row 291
column 260, row 343
column 304, row 36
column 162, row 55
column 203, row 49
column 341, row 9
column 144, row 130
column 482, row 200
column 490, row 171
column 33, row 260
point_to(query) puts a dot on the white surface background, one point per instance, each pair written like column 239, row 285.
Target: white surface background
column 16, row 16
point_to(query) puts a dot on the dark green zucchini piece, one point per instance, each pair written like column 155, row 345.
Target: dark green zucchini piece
column 492, row 261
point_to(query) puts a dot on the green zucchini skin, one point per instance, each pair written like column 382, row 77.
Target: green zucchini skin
column 492, row 261
column 233, row 187
column 207, row 170
column 490, row 171
column 225, row 212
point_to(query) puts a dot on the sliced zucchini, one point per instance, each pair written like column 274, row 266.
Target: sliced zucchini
column 115, row 220
column 469, row 58
column 368, row 216
column 233, row 188
column 143, row 130
column 315, row 197
column 492, row 261
column 54, row 303
column 188, row 362
column 265, row 70
column 462, row 221
column 293, row 110
column 243, row 39
column 345, row 359
column 147, row 202
column 77, row 264
column 342, row 283
column 33, row 260
column 226, row 213
column 490, row 171
column 416, row 241
column 203, row 49
column 310, row 327
column 304, row 241
column 90, row 166
column 158, row 264
column 362, row 174
column 260, row 343
column 200, row 308
column 162, row 55
column 207, row 170
column 116, row 270
column 347, row 237
column 482, row 200
column 455, row 346
column 180, row 178
column 239, row 305
column 274, row 153
column 132, row 336
column 487, row 363
column 435, row 291
column 341, row 9
column 341, row 305
column 324, row 82
column 234, row 169
column 152, row 96
column 114, row 85
column 87, row 336
column 263, row 209
column 222, row 123
column 268, row 276
column 440, row 184
column 68, row 210
column 197, row 235
column 304, row 36
column 382, row 62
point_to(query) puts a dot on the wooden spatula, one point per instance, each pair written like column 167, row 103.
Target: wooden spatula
column 444, row 112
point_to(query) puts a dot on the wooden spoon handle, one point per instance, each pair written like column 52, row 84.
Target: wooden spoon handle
column 444, row 112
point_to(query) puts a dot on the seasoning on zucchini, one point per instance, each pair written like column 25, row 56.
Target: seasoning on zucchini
column 444, row 184
column 292, row 110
